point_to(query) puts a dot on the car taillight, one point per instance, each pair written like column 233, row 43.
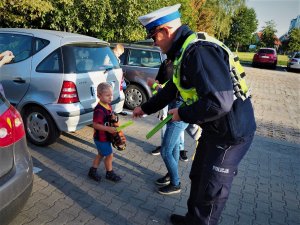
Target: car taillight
column 122, row 83
column 68, row 93
column 11, row 127
column 294, row 60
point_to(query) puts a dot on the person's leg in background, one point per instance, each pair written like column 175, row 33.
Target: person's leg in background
column 182, row 153
column 170, row 155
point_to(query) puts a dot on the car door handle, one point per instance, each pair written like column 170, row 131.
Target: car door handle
column 19, row 80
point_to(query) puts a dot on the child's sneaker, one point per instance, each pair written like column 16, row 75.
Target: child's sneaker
column 94, row 175
column 110, row 175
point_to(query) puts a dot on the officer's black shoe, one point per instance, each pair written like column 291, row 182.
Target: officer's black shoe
column 94, row 175
column 156, row 151
column 183, row 156
column 178, row 220
column 163, row 180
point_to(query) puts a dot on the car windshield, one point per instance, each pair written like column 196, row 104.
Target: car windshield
column 297, row 55
column 88, row 58
column 266, row 51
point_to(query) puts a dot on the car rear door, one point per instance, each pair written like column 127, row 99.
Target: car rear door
column 15, row 77
column 93, row 64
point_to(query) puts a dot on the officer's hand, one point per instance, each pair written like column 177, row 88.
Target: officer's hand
column 137, row 112
column 175, row 114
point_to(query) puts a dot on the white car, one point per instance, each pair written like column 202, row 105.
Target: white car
column 53, row 79
column 294, row 62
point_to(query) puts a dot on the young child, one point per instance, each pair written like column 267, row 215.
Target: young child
column 102, row 132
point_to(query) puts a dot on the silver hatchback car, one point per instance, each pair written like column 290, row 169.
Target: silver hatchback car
column 53, row 79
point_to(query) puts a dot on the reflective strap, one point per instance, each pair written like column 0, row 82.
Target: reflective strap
column 184, row 46
column 154, row 86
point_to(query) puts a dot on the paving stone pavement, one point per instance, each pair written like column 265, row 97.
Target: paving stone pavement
column 266, row 190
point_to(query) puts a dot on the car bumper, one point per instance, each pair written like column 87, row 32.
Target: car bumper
column 294, row 66
column 72, row 117
column 265, row 62
column 17, row 188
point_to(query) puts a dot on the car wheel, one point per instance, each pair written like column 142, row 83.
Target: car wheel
column 134, row 96
column 40, row 127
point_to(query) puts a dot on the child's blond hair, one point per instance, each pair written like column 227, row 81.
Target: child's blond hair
column 119, row 47
column 102, row 87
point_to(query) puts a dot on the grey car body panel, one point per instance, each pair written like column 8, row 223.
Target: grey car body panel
column 18, row 182
column 16, row 80
column 16, row 176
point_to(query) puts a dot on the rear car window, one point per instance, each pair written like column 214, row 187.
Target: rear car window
column 144, row 58
column 51, row 64
column 88, row 58
column 267, row 51
column 39, row 44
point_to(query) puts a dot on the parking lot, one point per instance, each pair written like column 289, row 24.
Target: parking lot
column 265, row 191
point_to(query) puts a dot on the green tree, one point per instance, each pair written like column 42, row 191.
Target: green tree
column 215, row 16
column 268, row 34
column 294, row 42
column 244, row 23
column 24, row 13
column 123, row 25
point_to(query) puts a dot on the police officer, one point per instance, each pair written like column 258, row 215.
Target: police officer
column 202, row 75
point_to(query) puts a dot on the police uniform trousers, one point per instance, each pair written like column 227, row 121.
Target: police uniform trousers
column 212, row 173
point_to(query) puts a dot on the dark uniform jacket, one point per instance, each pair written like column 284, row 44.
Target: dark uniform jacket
column 205, row 67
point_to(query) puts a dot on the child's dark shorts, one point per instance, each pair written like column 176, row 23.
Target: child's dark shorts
column 104, row 148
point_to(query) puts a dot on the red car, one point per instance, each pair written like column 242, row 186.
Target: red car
column 265, row 57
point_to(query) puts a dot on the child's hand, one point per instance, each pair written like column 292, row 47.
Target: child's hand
column 150, row 81
column 112, row 130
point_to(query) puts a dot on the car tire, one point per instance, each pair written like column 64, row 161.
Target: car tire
column 134, row 96
column 40, row 127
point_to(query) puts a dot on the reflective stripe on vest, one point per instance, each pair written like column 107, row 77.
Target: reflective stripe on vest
column 188, row 95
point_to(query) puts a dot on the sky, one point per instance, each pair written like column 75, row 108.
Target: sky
column 280, row 11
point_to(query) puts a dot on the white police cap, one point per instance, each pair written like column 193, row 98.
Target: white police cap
column 160, row 16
